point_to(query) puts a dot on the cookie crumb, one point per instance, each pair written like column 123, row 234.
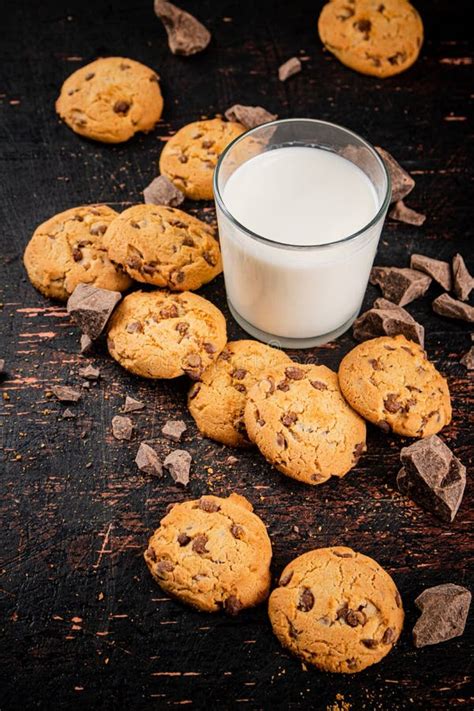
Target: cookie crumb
column 122, row 427
column 289, row 68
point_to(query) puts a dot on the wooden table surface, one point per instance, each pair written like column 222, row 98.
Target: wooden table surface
column 84, row 624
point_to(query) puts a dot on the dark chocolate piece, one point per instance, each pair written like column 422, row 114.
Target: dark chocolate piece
column 174, row 429
column 68, row 414
column 186, row 35
column 147, row 460
column 468, row 359
column 2, row 366
column 387, row 319
column 122, row 427
column 91, row 308
column 178, row 463
column 403, row 213
column 435, row 268
column 249, row 116
column 132, row 405
column 289, row 68
column 401, row 286
column 463, row 281
column 433, row 477
column 445, row 305
column 402, row 182
column 89, row 373
column 162, row 191
column 444, row 610
column 86, row 343
column 66, row 394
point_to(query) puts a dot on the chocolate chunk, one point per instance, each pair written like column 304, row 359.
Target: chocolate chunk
column 433, row 477
column 147, row 460
column 132, row 405
column 402, row 213
column 463, row 281
column 233, row 605
column 122, row 427
column 237, row 531
column 354, row 618
column 294, row 373
column 400, row 285
column 306, row 601
column 2, row 366
column 174, row 429
column 178, row 463
column 199, row 544
column 208, row 505
column 239, row 373
column 445, row 305
column 402, row 182
column 162, row 191
column 444, row 609
column 122, row 107
column 285, row 579
column 435, row 268
column 318, row 385
column 468, row 359
column 186, row 35
column 86, row 344
column 249, row 116
column 163, row 567
column 66, row 394
column 388, row 636
column 289, row 68
column 91, row 308
column 193, row 366
column 89, row 373
column 370, row 643
column 68, row 414
column 391, row 404
column 183, row 539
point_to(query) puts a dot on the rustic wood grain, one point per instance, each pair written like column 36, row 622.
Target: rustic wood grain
column 84, row 625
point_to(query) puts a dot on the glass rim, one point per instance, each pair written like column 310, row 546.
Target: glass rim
column 221, row 204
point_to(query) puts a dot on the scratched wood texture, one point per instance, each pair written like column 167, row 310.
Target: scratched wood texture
column 84, row 625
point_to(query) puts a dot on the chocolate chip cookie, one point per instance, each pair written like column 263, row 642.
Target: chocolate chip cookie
column 213, row 554
column 68, row 249
column 297, row 417
column 377, row 37
column 157, row 334
column 391, row 383
column 217, row 402
column 163, row 246
column 190, row 156
column 336, row 609
column 111, row 99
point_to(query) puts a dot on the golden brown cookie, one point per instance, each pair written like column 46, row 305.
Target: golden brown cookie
column 157, row 334
column 190, row 156
column 391, row 383
column 165, row 247
column 297, row 417
column 377, row 37
column 111, row 99
column 213, row 554
column 68, row 249
column 336, row 609
column 217, row 402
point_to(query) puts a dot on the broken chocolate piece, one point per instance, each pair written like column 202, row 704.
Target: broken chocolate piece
column 403, row 213
column 162, row 191
column 468, row 359
column 249, row 116
column 147, row 460
column 402, row 182
column 178, row 463
column 66, row 394
column 174, row 429
column 387, row 319
column 186, row 35
column 91, row 308
column 89, row 373
column 85, row 344
column 289, row 68
column 444, row 609
column 463, row 281
column 445, row 305
column 401, row 286
column 233, row 605
column 132, row 405
column 435, row 268
column 2, row 366
column 122, row 427
column 68, row 414
column 433, row 477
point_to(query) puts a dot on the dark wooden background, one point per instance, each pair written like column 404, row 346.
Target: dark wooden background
column 84, row 624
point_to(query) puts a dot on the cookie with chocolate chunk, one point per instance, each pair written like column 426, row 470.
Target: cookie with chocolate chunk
column 212, row 553
column 391, row 383
column 69, row 249
column 165, row 247
column 157, row 334
column 336, row 609
column 376, row 37
column 298, row 418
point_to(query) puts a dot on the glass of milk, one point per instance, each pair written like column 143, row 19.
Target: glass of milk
column 300, row 206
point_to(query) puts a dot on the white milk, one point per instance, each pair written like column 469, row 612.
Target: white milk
column 297, row 196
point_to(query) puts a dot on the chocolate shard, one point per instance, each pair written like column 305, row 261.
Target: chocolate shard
column 289, row 68
column 148, row 461
column 91, row 308
column 401, row 286
column 68, row 414
column 89, row 373
column 132, row 405
column 249, row 116
column 2, row 366
column 433, row 477
column 435, row 268
column 161, row 191
column 178, row 463
column 122, row 427
column 86, row 344
column 387, row 319
column 186, row 35
column 445, row 305
column 444, row 610
column 468, row 359
column 463, row 281
column 174, row 429
column 402, row 182
column 403, row 213
column 66, row 394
